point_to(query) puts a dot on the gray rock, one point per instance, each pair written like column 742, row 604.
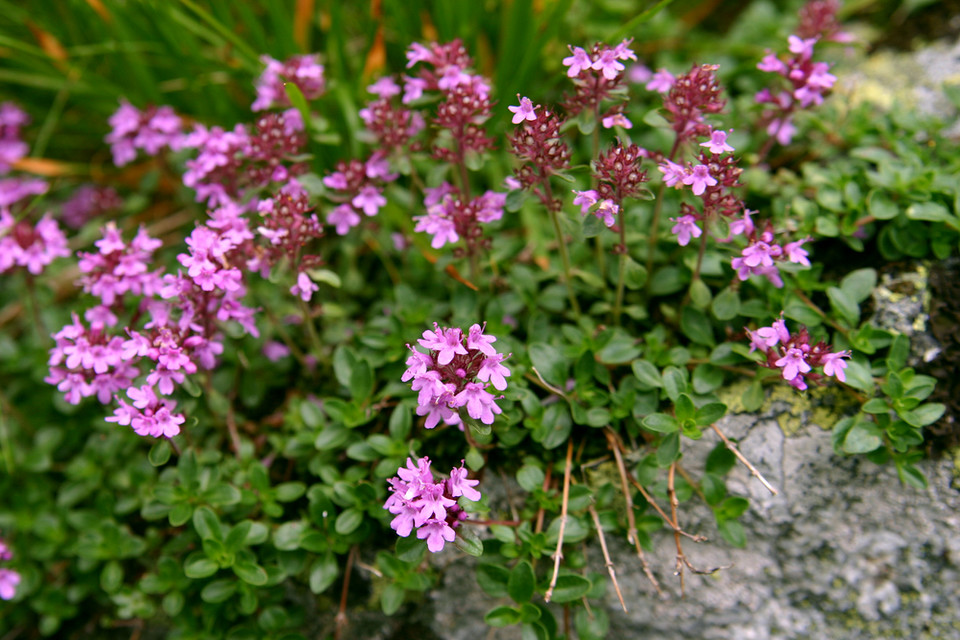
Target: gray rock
column 844, row 551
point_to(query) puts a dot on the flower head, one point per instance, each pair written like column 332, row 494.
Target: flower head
column 526, row 110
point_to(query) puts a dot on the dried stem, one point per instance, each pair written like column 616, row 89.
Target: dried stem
column 558, row 554
column 546, row 385
column 674, row 503
column 547, row 478
column 741, row 458
column 342, row 611
column 606, row 556
column 632, row 536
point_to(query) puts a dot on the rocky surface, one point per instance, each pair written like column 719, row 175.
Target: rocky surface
column 844, row 551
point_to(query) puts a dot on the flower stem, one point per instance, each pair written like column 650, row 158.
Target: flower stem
column 311, row 327
column 621, row 269
column 5, row 442
column 562, row 245
column 700, row 252
column 655, row 222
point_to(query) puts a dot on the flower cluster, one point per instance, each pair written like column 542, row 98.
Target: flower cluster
column 712, row 180
column 465, row 104
column 691, row 97
column 392, row 125
column 430, row 506
column 9, row 579
column 795, row 356
column 538, row 143
column 289, row 226
column 12, row 148
column 118, row 268
column 761, row 255
column 818, row 19
column 451, row 217
column 88, row 202
column 149, row 131
column 597, row 76
column 304, row 71
column 30, row 246
column 456, row 373
column 809, row 81
column 357, row 186
column 618, row 176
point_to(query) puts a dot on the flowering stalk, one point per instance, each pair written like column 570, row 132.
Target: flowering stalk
column 429, row 505
column 9, row 579
column 796, row 356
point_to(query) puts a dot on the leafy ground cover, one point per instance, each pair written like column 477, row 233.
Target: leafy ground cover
column 284, row 284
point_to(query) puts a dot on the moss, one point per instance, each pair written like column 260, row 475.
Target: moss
column 822, row 406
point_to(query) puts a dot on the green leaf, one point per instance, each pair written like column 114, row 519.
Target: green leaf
column 348, row 521
column 912, row 476
column 522, row 582
column 250, row 572
column 863, row 437
column 674, row 382
column 708, row 414
column 290, row 491
column 411, row 549
column 661, row 423
column 667, row 280
column 180, row 513
column 361, row 380
column 503, row 616
column 726, row 305
column 899, row 352
column 200, row 568
column 159, row 453
column 218, row 590
column 700, row 294
column 400, row 422
column 111, row 578
column 859, row 284
column 876, row 406
column 732, row 531
column 592, row 627
column 287, row 536
column 222, row 494
column 549, row 362
column 720, row 461
column 930, row 212
column 530, row 478
column 647, row 374
column 634, row 275
column 924, row 415
column 859, row 377
column 323, row 573
column 493, row 579
column 469, row 542
column 696, row 326
column 844, row 305
column 684, row 408
column 343, row 362
column 570, row 587
column 881, row 206
column 392, row 599
column 669, row 450
column 713, row 487
column 207, row 524
column 753, row 396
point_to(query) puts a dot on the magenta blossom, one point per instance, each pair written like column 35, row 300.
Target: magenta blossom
column 526, row 110
column 685, row 228
column 796, row 355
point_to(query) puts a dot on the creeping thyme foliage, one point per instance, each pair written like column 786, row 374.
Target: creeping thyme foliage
column 240, row 336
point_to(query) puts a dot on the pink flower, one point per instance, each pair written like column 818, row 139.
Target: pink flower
column 418, row 53
column 616, row 120
column 274, row 350
column 460, row 485
column 606, row 211
column 447, row 342
column 369, row 200
column 639, row 74
column 608, row 64
column 304, row 287
column 9, row 579
column 526, row 110
column 344, row 218
column 585, row 199
column 793, row 364
column 662, row 81
column 492, row 371
column 801, row 47
column 578, row 62
column 385, row 87
column 700, row 178
column 718, row 143
column 436, row 532
column 674, row 174
column 685, row 228
column 479, row 402
column 796, row 253
column 834, row 364
column 483, row 344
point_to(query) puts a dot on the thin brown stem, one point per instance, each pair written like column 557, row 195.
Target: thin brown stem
column 341, row 618
column 558, row 554
column 736, row 452
column 674, row 504
column 606, row 556
column 632, row 536
column 562, row 248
